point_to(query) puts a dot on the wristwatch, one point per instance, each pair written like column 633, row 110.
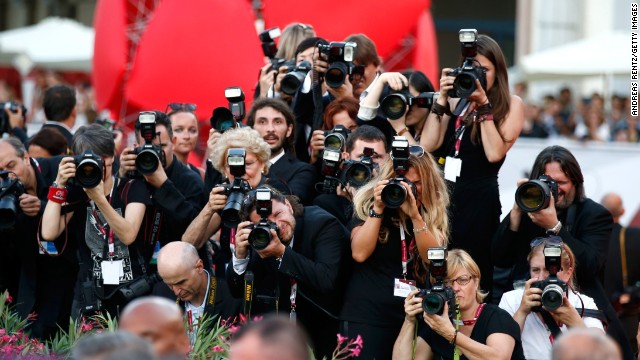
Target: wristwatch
column 55, row 185
column 556, row 229
column 374, row 214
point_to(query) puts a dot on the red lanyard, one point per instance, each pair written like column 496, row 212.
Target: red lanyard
column 405, row 256
column 475, row 318
column 103, row 231
column 232, row 236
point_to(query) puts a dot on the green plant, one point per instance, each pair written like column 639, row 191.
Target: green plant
column 62, row 344
column 14, row 341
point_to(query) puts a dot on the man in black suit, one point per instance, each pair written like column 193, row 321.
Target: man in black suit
column 59, row 106
column 582, row 224
column 299, row 272
column 275, row 122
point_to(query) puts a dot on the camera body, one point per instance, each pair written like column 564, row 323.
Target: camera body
column 335, row 141
column 89, row 170
column 139, row 287
column 394, row 194
column 295, row 77
column 223, row 119
column 433, row 299
column 10, row 191
column 340, row 56
column 358, row 172
column 552, row 287
column 12, row 106
column 270, row 49
column 236, row 190
column 535, row 194
column 260, row 235
column 148, row 155
column 394, row 105
column 470, row 71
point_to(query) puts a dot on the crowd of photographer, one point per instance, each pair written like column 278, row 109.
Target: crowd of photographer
column 351, row 200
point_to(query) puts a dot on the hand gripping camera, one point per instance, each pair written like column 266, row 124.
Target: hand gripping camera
column 394, row 194
column 433, row 300
column 149, row 156
column 394, row 105
column 535, row 195
column 293, row 80
column 88, row 170
column 340, row 59
column 223, row 119
column 235, row 191
column 10, row 191
column 260, row 235
column 358, row 173
column 552, row 288
column 470, row 71
column 5, row 126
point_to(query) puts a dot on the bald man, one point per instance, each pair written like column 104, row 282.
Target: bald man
column 160, row 321
column 622, row 262
column 273, row 338
column 585, row 344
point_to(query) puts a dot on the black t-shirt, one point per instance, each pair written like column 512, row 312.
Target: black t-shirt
column 492, row 320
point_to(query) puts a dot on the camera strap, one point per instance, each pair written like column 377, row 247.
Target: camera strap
column 552, row 325
column 292, row 300
column 248, row 293
column 623, row 258
column 405, row 255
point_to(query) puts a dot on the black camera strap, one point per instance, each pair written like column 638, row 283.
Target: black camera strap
column 552, row 325
column 248, row 292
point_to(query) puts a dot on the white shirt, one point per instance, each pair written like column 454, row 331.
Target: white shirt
column 535, row 337
column 240, row 265
column 196, row 312
column 364, row 112
column 274, row 159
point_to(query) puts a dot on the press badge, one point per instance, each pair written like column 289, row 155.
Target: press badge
column 452, row 167
column 50, row 246
column 403, row 287
column 111, row 272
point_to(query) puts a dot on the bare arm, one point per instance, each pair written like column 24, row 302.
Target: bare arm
column 364, row 238
column 208, row 221
column 403, row 347
column 494, row 146
column 53, row 223
column 433, row 131
column 126, row 228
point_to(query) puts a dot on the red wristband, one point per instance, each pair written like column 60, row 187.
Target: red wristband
column 57, row 195
column 485, row 117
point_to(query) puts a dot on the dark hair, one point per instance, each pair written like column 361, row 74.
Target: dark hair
column 366, row 52
column 274, row 330
column 281, row 107
column 418, row 80
column 568, row 164
column 96, row 138
column 249, row 202
column 309, row 42
column 58, row 103
column 366, row 133
column 51, row 140
column 348, row 104
column 161, row 119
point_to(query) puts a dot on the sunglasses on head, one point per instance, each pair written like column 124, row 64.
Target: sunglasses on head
column 180, row 106
column 415, row 150
column 552, row 240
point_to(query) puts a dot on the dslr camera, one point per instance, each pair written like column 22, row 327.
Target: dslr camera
column 433, row 299
column 552, row 288
column 470, row 71
column 10, row 191
column 88, row 170
column 335, row 141
column 260, row 235
column 536, row 194
column 291, row 82
column 358, row 172
column 394, row 105
column 149, row 156
column 223, row 118
column 270, row 49
column 235, row 191
column 139, row 287
column 394, row 194
column 12, row 106
column 340, row 58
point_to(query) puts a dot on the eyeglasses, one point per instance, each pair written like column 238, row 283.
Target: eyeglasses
column 461, row 280
column 552, row 240
column 180, row 106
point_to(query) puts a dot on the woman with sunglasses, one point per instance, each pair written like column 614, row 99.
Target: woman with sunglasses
column 481, row 331
column 472, row 147
column 381, row 243
column 537, row 338
column 185, row 127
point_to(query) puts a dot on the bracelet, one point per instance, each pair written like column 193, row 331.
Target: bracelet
column 57, row 195
column 375, row 214
column 484, row 109
column 419, row 230
column 439, row 109
column 455, row 335
column 399, row 133
column 484, row 117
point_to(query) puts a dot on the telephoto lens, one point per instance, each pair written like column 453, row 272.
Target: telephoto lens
column 552, row 296
column 147, row 161
column 395, row 105
column 358, row 174
column 394, row 194
column 536, row 194
column 259, row 237
column 88, row 169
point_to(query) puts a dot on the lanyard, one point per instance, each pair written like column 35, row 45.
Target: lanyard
column 109, row 236
column 292, row 300
column 456, row 352
column 405, row 256
column 475, row 318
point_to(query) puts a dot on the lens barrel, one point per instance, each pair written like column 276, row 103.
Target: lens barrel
column 260, row 237
column 533, row 196
column 552, row 296
column 393, row 195
column 88, row 173
column 147, row 161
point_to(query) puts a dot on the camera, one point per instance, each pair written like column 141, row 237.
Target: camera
column 10, row 191
column 535, row 194
column 395, row 105
column 149, row 156
column 88, row 170
column 552, row 288
column 235, row 191
column 335, row 141
column 5, row 126
column 295, row 77
column 470, row 71
column 336, row 138
column 223, row 119
column 394, row 194
column 358, row 173
column 260, row 235
column 106, row 123
column 270, row 49
column 340, row 58
column 433, row 299
column 139, row 287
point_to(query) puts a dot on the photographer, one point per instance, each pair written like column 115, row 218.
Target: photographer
column 524, row 304
column 12, row 121
column 104, row 218
column 184, row 124
column 59, row 106
column 339, row 112
column 385, row 232
column 39, row 283
column 582, row 224
column 473, row 145
column 298, row 270
column 479, row 331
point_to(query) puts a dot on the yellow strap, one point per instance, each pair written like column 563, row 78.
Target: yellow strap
column 623, row 258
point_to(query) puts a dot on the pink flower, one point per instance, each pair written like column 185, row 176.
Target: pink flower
column 217, row 348
column 355, row 352
column 9, row 299
column 2, row 332
column 5, row 339
column 341, row 339
column 243, row 318
column 358, row 341
column 233, row 329
column 85, row 327
column 257, row 318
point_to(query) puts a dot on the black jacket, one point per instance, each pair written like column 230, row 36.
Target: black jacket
column 63, row 130
column 299, row 176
